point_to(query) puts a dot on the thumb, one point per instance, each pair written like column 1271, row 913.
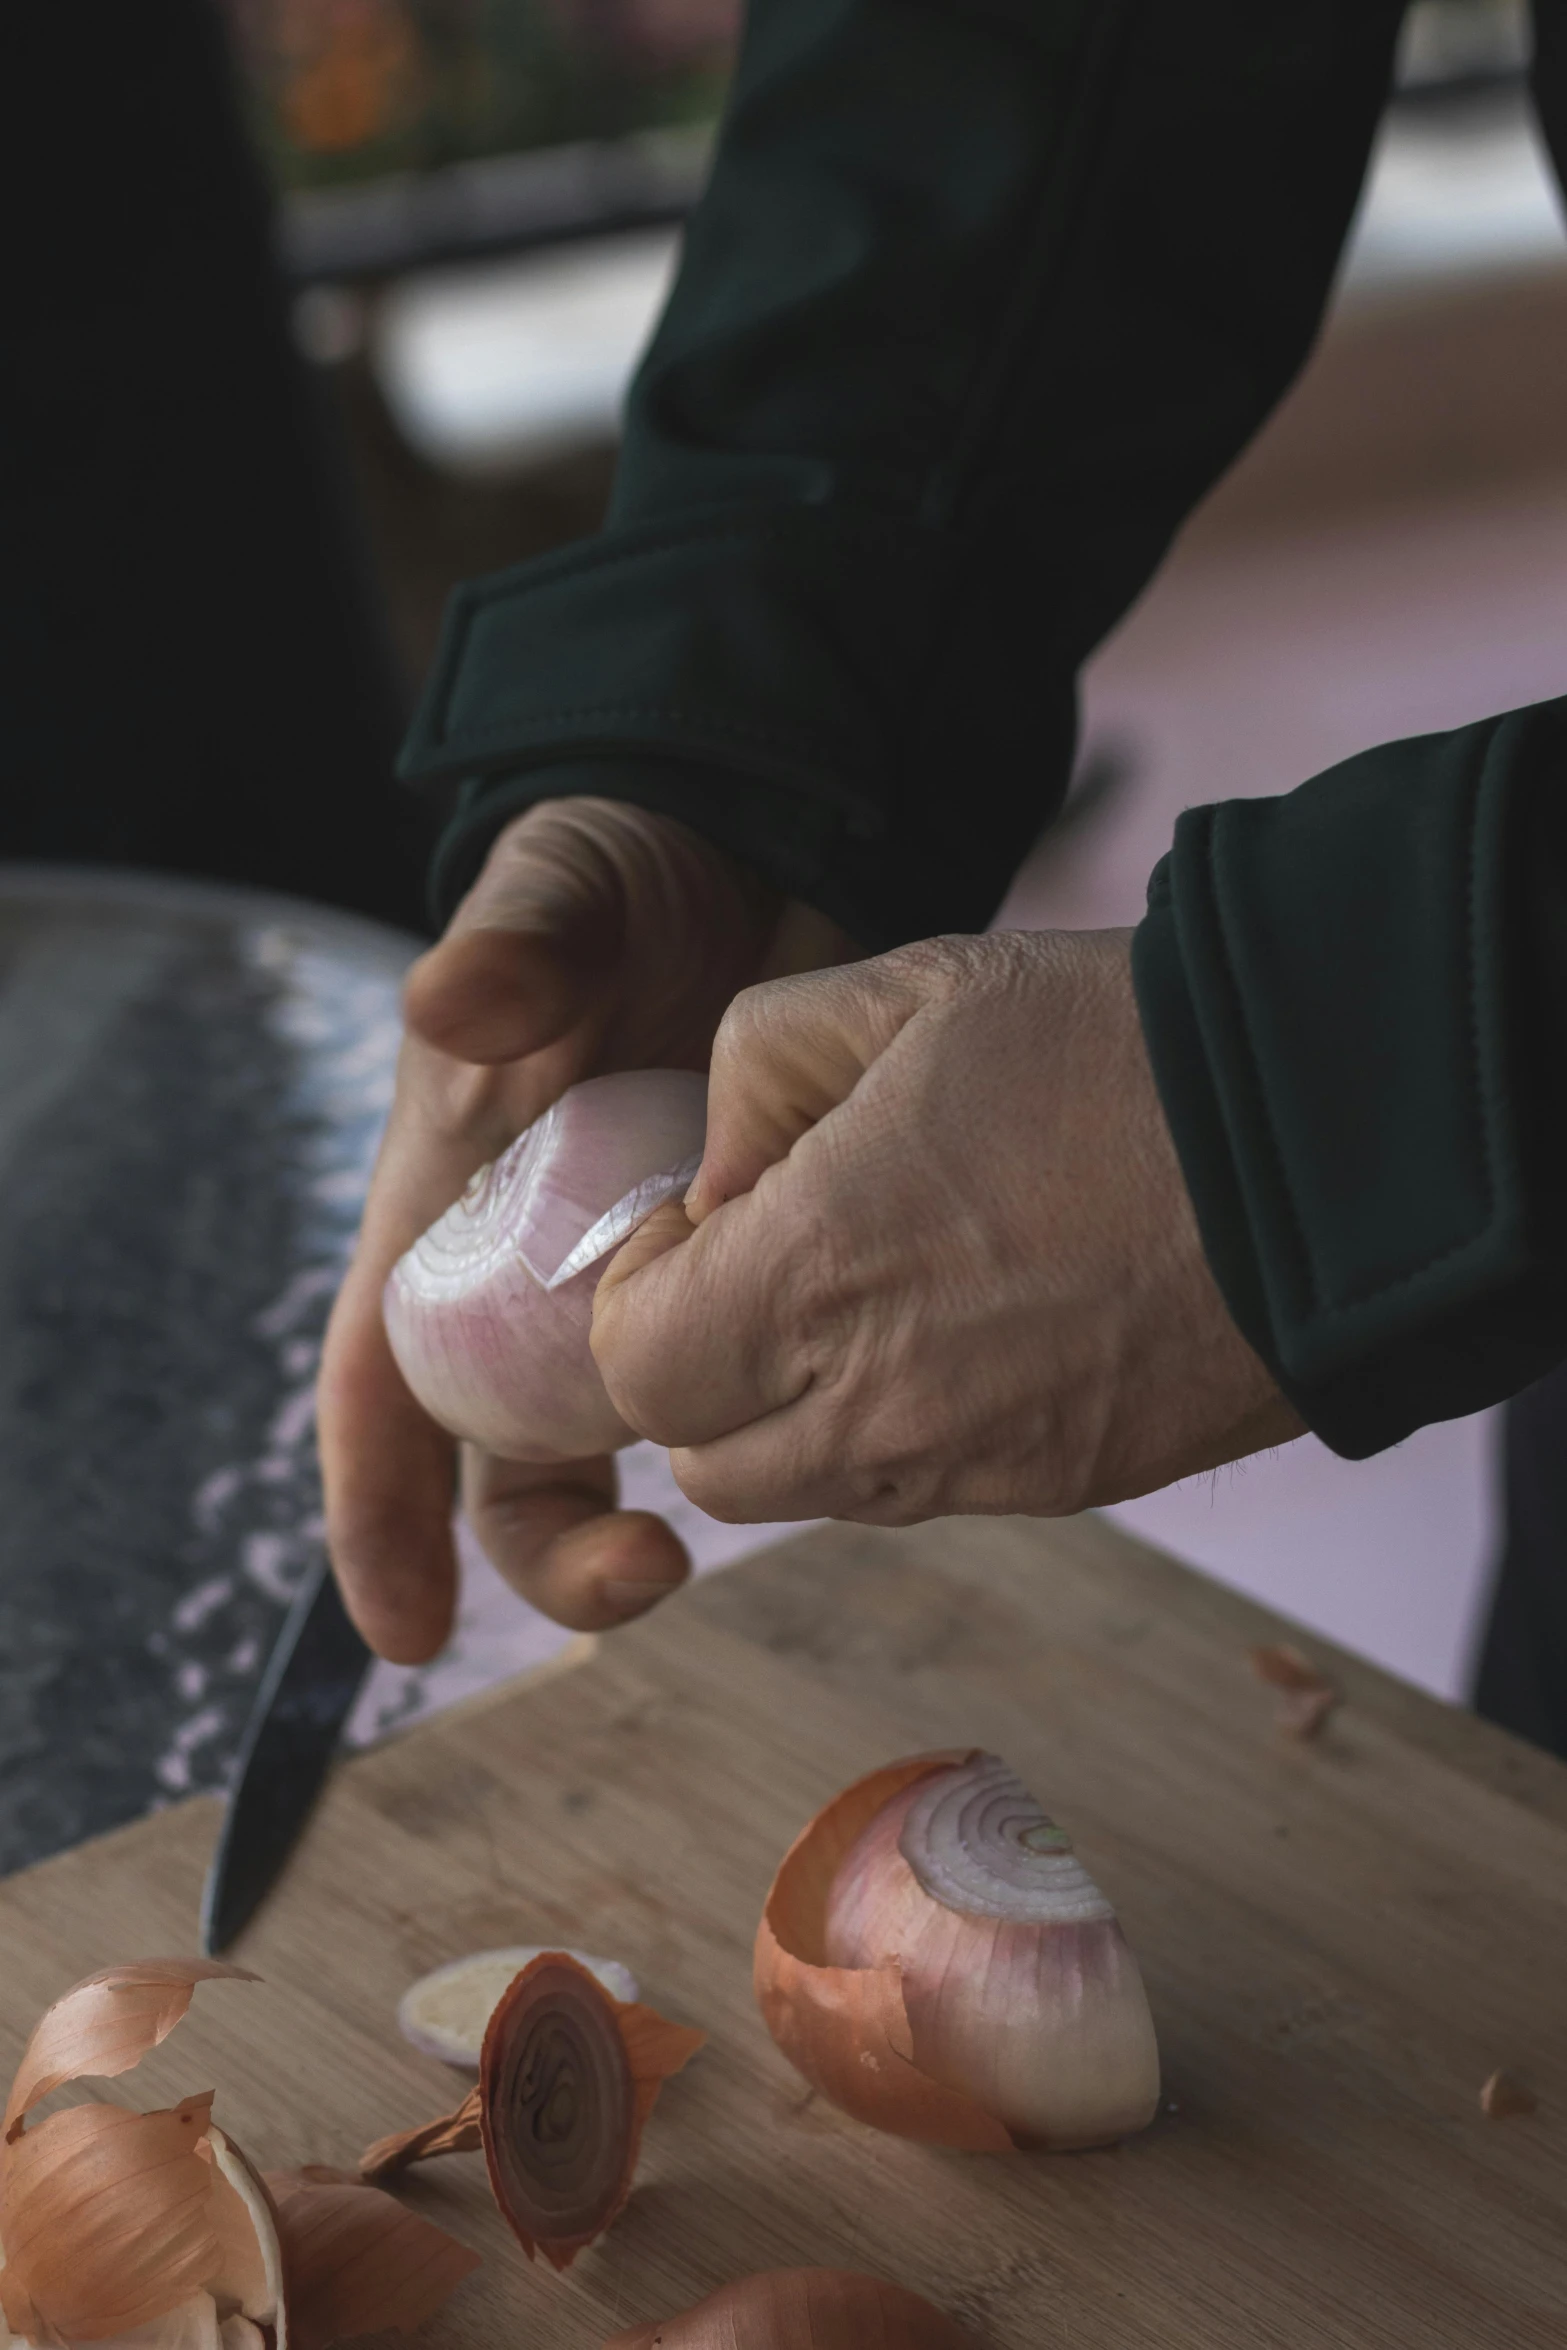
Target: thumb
column 667, row 1228
column 529, row 946
column 494, row 995
column 787, row 1053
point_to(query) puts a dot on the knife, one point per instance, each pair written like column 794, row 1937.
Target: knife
column 308, row 1690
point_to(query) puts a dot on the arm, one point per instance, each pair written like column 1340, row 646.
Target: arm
column 981, row 299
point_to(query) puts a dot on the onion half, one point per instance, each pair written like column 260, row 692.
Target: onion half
column 568, row 2076
column 156, row 2229
column 935, row 1959
column 801, row 2309
column 489, row 1313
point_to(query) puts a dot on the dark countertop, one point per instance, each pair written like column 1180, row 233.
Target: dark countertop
column 192, row 1082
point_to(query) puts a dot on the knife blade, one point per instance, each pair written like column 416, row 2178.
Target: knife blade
column 313, row 1676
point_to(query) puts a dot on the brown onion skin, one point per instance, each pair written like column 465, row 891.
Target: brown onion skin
column 847, row 2029
column 802, row 2309
column 952, row 2026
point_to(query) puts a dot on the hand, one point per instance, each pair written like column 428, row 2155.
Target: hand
column 597, row 937
column 939, row 1256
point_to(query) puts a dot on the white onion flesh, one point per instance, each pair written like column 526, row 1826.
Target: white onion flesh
column 489, row 1313
column 445, row 2013
column 1019, row 1985
column 978, row 1842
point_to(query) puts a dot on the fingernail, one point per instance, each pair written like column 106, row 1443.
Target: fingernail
column 624, row 1595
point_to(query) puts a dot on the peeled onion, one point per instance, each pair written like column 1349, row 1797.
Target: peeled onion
column 568, row 2075
column 489, row 1313
column 801, row 2309
column 155, row 2229
column 935, row 1959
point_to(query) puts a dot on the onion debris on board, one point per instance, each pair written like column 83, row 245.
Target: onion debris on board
column 447, row 2012
column 935, row 1958
column 802, row 2309
column 489, row 1313
column 568, row 2075
column 1504, row 2094
column 118, row 2226
column 1306, row 1697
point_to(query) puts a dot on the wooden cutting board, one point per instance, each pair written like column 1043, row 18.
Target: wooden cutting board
column 1341, row 1939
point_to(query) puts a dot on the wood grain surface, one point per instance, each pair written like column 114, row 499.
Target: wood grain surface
column 1342, row 1939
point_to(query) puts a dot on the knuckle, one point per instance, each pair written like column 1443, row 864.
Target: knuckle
column 744, row 1017
column 935, row 967
column 711, row 1491
column 820, row 1318
column 462, row 1107
column 545, row 870
column 753, row 1017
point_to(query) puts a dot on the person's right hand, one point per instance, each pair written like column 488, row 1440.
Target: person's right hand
column 598, row 937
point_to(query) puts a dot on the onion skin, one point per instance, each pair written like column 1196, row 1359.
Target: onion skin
column 105, row 2024
column 568, row 2076
column 490, row 1339
column 249, row 2273
column 150, row 2244
column 802, row 2309
column 973, row 2027
column 847, row 2029
column 356, row 2261
column 156, row 2231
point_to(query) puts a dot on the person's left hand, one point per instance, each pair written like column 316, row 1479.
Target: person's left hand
column 939, row 1257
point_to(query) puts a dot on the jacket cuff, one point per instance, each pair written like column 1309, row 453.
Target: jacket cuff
column 714, row 645
column 1325, row 985
column 720, row 669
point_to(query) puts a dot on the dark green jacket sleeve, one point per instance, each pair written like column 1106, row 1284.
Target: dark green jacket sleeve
column 1356, row 1002
column 982, row 296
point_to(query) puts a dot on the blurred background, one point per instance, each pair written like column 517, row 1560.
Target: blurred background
column 461, row 216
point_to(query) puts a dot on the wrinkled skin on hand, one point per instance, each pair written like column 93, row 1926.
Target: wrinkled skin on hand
column 940, row 1256
column 597, row 937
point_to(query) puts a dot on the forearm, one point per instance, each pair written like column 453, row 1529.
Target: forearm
column 979, row 302
column 1355, row 999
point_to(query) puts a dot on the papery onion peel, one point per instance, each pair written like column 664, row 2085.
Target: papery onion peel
column 156, row 2230
column 106, row 2024
column 107, row 2219
column 801, row 2309
column 357, row 2261
column 568, row 2075
column 936, row 1961
column 1306, row 1696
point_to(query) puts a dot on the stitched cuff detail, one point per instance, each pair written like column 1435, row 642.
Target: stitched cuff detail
column 729, row 642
